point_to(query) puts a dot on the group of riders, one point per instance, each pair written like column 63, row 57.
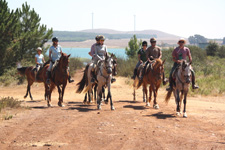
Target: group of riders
column 146, row 55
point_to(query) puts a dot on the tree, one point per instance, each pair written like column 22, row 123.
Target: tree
column 133, row 47
column 221, row 52
column 8, row 39
column 212, row 49
column 21, row 33
column 224, row 41
column 33, row 34
column 196, row 39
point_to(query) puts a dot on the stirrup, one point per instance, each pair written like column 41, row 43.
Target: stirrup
column 113, row 80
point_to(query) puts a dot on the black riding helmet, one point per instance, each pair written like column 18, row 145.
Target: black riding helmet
column 55, row 39
column 97, row 37
column 144, row 43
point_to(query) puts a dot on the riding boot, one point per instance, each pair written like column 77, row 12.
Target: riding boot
column 142, row 73
column 48, row 77
column 193, row 81
column 93, row 79
column 70, row 80
column 135, row 74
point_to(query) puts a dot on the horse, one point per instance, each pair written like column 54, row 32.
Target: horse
column 85, row 81
column 153, row 76
column 180, row 90
column 59, row 77
column 134, row 85
column 29, row 73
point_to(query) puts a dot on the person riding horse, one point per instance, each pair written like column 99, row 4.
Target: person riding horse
column 153, row 52
column 39, row 60
column 179, row 54
column 99, row 55
column 55, row 52
column 92, row 52
column 141, row 58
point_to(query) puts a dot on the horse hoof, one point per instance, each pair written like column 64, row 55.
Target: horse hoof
column 25, row 97
column 112, row 108
column 49, row 105
column 148, row 104
column 178, row 113
column 99, row 107
column 144, row 100
column 156, row 106
column 185, row 115
column 106, row 102
column 61, row 105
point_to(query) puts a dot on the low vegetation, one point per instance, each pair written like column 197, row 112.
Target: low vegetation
column 9, row 102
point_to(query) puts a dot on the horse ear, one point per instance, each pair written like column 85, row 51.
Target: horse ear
column 61, row 54
column 68, row 55
column 112, row 55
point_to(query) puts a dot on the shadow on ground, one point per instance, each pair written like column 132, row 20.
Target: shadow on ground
column 135, row 107
column 160, row 115
column 128, row 101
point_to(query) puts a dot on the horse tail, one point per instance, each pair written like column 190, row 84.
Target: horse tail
column 83, row 81
column 22, row 70
column 168, row 95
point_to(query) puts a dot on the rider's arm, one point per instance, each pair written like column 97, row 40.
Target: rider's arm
column 90, row 54
column 189, row 56
column 50, row 54
column 61, row 50
column 36, row 60
column 160, row 54
column 43, row 59
column 139, row 57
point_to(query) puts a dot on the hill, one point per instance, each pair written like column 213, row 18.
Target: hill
column 78, row 36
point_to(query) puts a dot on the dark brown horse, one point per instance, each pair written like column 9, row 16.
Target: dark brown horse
column 154, row 77
column 59, row 77
column 29, row 73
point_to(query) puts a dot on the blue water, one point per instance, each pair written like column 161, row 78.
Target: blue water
column 83, row 52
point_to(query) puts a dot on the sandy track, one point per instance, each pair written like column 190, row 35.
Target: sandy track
column 130, row 126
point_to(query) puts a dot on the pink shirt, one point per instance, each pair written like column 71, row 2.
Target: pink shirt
column 182, row 53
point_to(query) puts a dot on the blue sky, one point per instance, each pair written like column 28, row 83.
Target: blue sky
column 179, row 17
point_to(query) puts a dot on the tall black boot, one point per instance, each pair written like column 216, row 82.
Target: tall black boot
column 135, row 74
column 193, row 81
column 171, row 82
column 93, row 79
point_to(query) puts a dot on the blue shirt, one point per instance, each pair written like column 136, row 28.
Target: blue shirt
column 39, row 58
column 55, row 52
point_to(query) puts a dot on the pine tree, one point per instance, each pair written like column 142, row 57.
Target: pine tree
column 133, row 47
column 8, row 39
column 33, row 34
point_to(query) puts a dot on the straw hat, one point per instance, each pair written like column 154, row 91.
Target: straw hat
column 39, row 49
column 181, row 39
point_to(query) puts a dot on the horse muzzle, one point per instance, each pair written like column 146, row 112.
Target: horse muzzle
column 188, row 81
column 109, row 71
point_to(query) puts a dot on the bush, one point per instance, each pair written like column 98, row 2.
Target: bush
column 75, row 63
column 9, row 102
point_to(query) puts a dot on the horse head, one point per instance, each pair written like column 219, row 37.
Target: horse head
column 186, row 71
column 108, row 64
column 159, row 66
column 64, row 60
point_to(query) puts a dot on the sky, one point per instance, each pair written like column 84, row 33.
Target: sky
column 179, row 17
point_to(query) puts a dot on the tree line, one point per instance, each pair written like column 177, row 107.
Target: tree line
column 21, row 33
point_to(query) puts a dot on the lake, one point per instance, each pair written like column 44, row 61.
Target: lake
column 83, row 52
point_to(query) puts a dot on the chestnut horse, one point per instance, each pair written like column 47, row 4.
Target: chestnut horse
column 59, row 77
column 29, row 73
column 154, row 77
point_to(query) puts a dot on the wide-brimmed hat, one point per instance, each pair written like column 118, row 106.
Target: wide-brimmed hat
column 39, row 49
column 181, row 39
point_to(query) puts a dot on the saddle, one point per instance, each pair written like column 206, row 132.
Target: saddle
column 149, row 66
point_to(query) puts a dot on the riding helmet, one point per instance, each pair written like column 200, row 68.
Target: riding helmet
column 101, row 37
column 55, row 39
column 144, row 43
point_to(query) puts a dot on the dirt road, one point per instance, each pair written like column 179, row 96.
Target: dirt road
column 132, row 126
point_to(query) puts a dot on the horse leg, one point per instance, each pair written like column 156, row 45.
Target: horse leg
column 62, row 94
column 178, row 102
column 99, row 98
column 156, row 106
column 144, row 98
column 47, row 94
column 109, row 95
column 85, row 98
column 150, row 94
column 146, row 94
column 185, row 102
column 95, row 92
column 29, row 91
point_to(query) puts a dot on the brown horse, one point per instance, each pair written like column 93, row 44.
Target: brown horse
column 29, row 73
column 154, row 77
column 59, row 77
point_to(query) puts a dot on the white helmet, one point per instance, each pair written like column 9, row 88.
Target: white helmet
column 39, row 49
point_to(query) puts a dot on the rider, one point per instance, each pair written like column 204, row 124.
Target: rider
column 153, row 52
column 55, row 52
column 141, row 58
column 100, row 52
column 179, row 54
column 92, row 52
column 39, row 60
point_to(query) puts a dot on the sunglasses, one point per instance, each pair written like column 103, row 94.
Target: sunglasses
column 181, row 41
column 153, row 42
column 144, row 45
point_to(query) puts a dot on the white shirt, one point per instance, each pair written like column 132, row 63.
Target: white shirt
column 39, row 58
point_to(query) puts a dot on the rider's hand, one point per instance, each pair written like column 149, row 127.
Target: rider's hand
column 179, row 61
column 141, row 61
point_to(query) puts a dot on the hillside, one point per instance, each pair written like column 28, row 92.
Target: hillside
column 78, row 36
